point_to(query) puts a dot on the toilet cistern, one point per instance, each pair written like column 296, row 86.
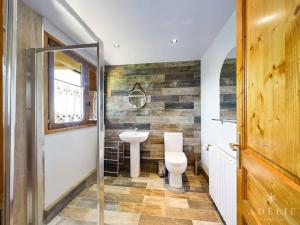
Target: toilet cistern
column 134, row 138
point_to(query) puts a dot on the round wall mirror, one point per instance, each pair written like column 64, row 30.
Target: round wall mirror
column 228, row 87
column 137, row 99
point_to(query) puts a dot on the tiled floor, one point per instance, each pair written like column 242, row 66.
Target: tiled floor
column 145, row 200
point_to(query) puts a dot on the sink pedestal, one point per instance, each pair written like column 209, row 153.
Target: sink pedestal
column 135, row 138
column 134, row 159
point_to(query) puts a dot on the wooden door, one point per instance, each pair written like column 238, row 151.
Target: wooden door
column 268, row 74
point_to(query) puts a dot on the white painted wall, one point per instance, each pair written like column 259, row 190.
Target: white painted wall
column 69, row 156
column 89, row 54
column 213, row 132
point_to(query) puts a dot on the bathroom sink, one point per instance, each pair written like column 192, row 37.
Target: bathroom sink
column 134, row 136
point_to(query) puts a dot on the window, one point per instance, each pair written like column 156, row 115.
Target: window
column 71, row 90
column 68, row 89
column 92, row 93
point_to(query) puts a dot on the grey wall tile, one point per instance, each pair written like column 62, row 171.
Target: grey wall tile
column 165, row 98
column 179, row 105
column 173, row 104
column 119, row 92
column 197, row 119
column 228, row 89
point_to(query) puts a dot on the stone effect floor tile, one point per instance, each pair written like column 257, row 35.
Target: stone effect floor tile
column 155, row 220
column 153, row 210
column 87, row 203
column 58, row 220
column 66, row 221
column 112, row 206
column 88, row 194
column 156, row 184
column 166, row 201
column 121, row 218
column 116, row 189
column 198, row 222
column 189, row 195
column 130, row 207
column 154, row 192
column 192, row 214
column 93, row 187
column 123, row 197
column 145, row 200
column 82, row 214
column 137, row 191
column 204, row 205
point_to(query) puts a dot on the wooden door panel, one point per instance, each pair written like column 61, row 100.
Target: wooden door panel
column 268, row 99
column 249, row 214
column 273, row 198
column 273, row 81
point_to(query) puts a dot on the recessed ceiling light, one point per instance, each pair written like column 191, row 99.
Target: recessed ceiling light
column 116, row 45
column 174, row 41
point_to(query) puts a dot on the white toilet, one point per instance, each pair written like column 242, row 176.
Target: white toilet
column 175, row 159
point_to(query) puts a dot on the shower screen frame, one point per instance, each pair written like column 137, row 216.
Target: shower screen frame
column 35, row 129
column 34, row 123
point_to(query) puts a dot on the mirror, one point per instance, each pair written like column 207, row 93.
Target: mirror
column 137, row 97
column 228, row 87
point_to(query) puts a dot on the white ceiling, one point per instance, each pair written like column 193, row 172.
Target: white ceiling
column 144, row 28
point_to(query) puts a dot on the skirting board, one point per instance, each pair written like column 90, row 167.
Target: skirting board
column 54, row 209
column 204, row 174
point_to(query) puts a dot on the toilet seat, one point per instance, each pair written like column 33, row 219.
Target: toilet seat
column 175, row 158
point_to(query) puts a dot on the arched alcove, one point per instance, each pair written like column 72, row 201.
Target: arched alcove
column 228, row 87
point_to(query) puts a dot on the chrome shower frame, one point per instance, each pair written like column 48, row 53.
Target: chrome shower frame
column 34, row 113
column 35, row 129
column 9, row 69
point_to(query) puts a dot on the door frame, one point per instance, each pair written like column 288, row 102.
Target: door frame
column 241, row 99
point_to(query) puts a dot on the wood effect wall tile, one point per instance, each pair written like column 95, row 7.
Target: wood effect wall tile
column 179, row 105
column 173, row 104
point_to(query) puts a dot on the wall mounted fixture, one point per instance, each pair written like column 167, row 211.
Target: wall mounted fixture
column 224, row 120
column 174, row 41
column 116, row 45
column 137, row 97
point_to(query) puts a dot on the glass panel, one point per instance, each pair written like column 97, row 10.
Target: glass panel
column 68, row 89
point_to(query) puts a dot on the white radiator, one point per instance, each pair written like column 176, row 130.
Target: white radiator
column 223, row 183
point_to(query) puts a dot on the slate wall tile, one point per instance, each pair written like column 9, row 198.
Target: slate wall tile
column 173, row 104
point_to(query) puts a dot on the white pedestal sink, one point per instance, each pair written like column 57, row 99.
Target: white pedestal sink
column 134, row 138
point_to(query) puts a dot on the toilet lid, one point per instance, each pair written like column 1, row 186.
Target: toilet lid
column 175, row 158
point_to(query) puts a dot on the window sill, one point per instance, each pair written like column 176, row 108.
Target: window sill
column 59, row 130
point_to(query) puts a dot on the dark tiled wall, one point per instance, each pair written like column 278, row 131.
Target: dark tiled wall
column 228, row 89
column 173, row 104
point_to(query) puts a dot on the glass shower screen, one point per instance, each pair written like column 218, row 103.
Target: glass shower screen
column 69, row 108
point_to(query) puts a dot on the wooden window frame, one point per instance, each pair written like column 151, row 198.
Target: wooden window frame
column 50, row 126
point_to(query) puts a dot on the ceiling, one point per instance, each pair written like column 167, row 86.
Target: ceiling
column 144, row 28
